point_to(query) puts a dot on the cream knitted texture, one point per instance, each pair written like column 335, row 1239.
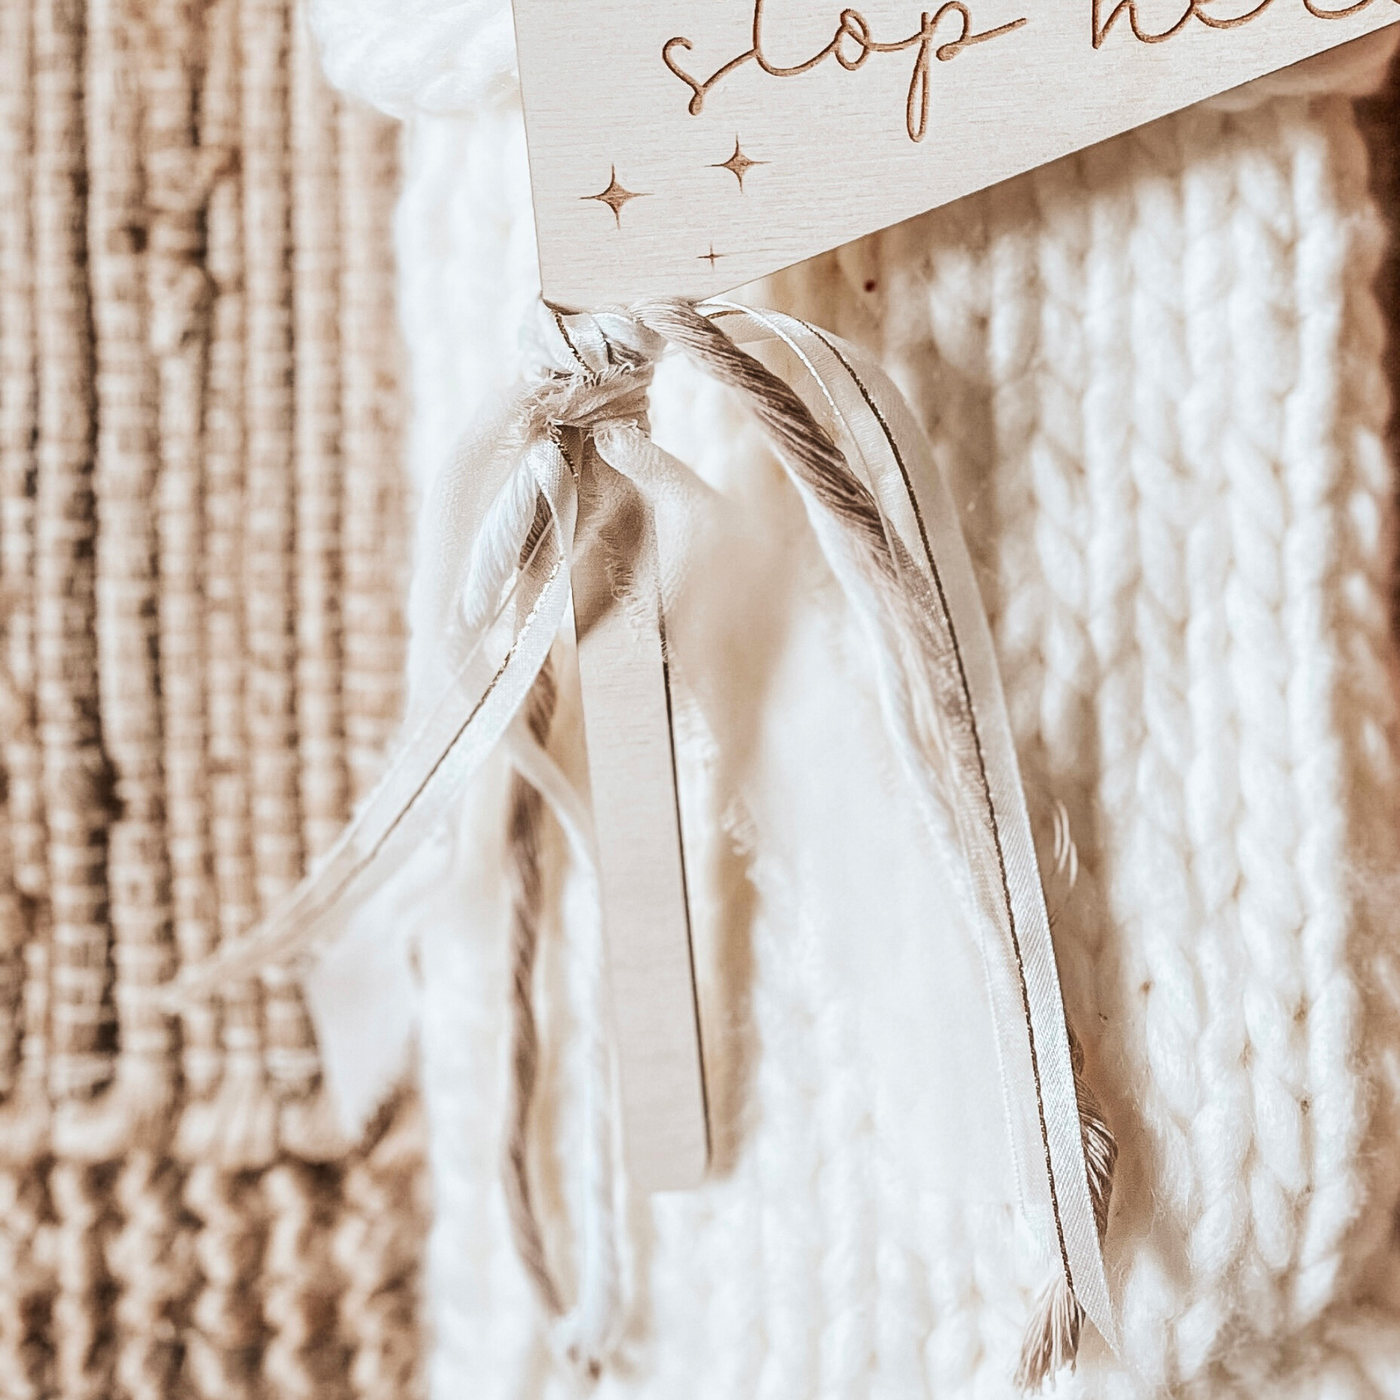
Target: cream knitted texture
column 1152, row 373
column 1182, row 503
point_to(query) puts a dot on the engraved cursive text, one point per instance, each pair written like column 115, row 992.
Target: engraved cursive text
column 850, row 46
column 1197, row 10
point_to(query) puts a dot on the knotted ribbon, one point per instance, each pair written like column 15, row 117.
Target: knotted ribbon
column 569, row 462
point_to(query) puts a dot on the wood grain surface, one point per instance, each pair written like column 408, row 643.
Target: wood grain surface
column 688, row 148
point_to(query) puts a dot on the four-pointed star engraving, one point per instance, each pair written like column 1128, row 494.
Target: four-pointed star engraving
column 738, row 164
column 615, row 196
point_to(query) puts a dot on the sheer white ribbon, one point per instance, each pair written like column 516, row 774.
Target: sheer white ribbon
column 882, row 440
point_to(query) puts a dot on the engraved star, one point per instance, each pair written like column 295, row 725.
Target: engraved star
column 615, row 196
column 738, row 164
column 711, row 257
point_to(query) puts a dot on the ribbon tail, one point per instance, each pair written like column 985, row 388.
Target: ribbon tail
column 1040, row 1080
column 587, row 1331
column 459, row 730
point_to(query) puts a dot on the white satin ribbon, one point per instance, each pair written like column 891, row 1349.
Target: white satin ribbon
column 493, row 654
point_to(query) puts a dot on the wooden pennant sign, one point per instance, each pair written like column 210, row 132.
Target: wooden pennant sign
column 684, row 147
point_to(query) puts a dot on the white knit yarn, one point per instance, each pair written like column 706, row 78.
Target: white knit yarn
column 418, row 55
column 1153, row 374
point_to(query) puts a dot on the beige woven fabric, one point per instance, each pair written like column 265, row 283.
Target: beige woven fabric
column 201, row 558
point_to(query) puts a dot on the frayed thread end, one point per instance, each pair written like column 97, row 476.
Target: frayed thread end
column 1052, row 1339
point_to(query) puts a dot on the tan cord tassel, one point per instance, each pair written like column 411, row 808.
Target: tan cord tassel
column 524, row 829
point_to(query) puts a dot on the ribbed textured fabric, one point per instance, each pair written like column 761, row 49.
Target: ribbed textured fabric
column 202, row 567
column 1154, row 375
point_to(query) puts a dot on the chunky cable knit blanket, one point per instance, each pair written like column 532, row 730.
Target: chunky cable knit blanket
column 201, row 553
column 1153, row 373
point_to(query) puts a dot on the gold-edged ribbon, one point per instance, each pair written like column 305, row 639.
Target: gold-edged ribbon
column 890, row 452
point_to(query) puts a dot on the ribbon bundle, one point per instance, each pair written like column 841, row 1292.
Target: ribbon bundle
column 553, row 510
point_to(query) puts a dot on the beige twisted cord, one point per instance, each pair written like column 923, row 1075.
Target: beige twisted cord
column 202, row 546
column 524, row 834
